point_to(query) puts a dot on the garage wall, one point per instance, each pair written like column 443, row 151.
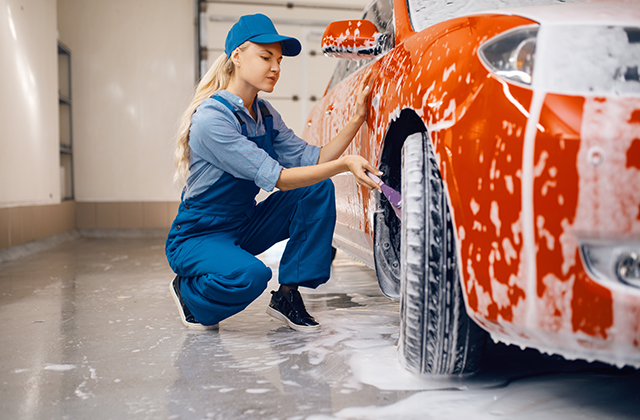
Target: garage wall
column 29, row 152
column 134, row 64
column 29, row 102
column 133, row 71
column 134, row 68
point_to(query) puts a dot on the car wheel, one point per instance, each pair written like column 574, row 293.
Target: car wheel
column 436, row 334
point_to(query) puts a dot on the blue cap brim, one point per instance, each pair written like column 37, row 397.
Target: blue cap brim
column 290, row 46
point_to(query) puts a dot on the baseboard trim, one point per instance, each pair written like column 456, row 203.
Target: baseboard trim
column 24, row 250
column 26, row 224
column 123, row 233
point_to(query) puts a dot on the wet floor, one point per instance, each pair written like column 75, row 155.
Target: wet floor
column 89, row 330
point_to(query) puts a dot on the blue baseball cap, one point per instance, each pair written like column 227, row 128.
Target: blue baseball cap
column 258, row 28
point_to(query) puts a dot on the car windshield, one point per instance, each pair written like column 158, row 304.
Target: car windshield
column 425, row 13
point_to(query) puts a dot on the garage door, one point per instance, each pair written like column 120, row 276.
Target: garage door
column 304, row 78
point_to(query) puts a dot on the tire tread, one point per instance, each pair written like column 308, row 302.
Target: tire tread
column 436, row 335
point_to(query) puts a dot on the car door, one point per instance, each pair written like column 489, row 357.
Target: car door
column 354, row 204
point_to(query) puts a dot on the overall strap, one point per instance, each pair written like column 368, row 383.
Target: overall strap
column 243, row 126
column 266, row 116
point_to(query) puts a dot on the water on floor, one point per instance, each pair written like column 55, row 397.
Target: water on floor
column 89, row 330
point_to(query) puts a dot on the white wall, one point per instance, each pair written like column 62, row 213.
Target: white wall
column 29, row 152
column 133, row 71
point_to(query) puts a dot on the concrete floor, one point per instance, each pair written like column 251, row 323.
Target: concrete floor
column 89, row 330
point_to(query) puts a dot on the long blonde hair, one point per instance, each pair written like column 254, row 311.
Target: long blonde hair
column 215, row 79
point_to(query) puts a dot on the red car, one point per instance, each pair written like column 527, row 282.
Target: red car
column 513, row 136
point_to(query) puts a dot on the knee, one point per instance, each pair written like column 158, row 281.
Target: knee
column 258, row 275
column 240, row 287
column 261, row 272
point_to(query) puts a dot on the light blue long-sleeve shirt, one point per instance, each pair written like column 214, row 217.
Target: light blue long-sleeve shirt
column 218, row 146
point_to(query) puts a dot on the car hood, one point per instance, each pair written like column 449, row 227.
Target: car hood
column 597, row 12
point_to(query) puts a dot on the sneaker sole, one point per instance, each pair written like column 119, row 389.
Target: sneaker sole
column 190, row 325
column 277, row 315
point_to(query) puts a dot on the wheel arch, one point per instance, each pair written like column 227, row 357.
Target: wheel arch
column 386, row 229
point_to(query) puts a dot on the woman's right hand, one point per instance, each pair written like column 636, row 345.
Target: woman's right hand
column 358, row 166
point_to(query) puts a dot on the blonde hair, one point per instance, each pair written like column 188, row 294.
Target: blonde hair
column 215, row 79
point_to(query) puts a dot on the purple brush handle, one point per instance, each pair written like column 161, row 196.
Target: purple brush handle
column 392, row 195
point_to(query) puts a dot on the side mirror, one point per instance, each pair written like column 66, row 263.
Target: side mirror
column 352, row 39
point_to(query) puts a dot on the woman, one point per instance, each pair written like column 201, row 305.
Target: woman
column 232, row 144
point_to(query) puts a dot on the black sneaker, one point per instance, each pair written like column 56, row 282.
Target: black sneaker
column 188, row 319
column 290, row 309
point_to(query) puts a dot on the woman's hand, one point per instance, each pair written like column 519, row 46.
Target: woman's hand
column 302, row 176
column 362, row 102
column 334, row 149
column 358, row 166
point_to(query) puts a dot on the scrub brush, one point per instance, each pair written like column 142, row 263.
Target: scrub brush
column 394, row 197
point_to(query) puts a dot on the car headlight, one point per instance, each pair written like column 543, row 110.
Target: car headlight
column 613, row 261
column 511, row 55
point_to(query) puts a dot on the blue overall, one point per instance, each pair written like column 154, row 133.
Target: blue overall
column 215, row 236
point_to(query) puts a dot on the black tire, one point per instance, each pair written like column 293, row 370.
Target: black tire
column 436, row 334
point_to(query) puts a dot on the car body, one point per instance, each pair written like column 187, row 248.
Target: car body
column 527, row 121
